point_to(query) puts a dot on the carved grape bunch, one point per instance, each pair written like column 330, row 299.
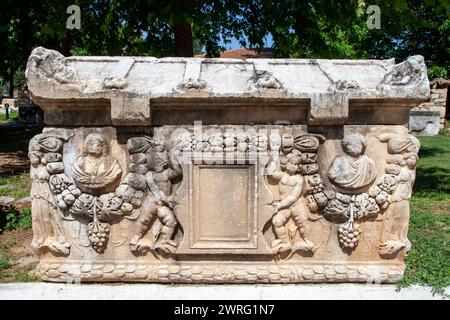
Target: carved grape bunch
column 98, row 234
column 349, row 234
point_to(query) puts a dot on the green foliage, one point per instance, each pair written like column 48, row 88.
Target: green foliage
column 16, row 185
column 428, row 261
column 12, row 219
column 12, row 116
column 24, row 276
column 433, row 169
column 14, row 272
column 4, row 257
column 4, row 261
column 318, row 29
column 413, row 27
column 437, row 72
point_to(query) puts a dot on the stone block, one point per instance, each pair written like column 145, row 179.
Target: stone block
column 424, row 122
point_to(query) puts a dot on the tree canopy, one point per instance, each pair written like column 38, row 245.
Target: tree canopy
column 302, row 29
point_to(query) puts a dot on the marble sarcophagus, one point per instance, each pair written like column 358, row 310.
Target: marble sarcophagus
column 222, row 170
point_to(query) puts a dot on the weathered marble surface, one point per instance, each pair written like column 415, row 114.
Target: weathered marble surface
column 130, row 91
column 301, row 170
column 424, row 122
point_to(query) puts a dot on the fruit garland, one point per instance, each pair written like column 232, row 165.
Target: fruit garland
column 103, row 209
column 340, row 207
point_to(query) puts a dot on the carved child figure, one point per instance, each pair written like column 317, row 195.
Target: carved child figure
column 158, row 203
column 401, row 160
column 290, row 186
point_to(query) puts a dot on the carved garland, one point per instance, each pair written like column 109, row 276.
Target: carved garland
column 338, row 207
column 101, row 209
column 83, row 196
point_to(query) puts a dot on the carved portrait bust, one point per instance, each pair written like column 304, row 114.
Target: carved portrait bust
column 353, row 170
column 96, row 169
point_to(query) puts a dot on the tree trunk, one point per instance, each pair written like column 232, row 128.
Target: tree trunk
column 11, row 87
column 66, row 45
column 183, row 39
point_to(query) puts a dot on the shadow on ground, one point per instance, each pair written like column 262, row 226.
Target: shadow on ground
column 433, row 171
column 432, row 179
column 14, row 147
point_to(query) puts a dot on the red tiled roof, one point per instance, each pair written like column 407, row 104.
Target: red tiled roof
column 243, row 53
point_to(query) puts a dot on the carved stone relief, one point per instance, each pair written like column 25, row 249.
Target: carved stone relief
column 264, row 80
column 96, row 169
column 87, row 196
column 50, row 64
column 289, row 169
column 409, row 75
column 227, row 162
column 406, row 72
column 154, row 193
column 299, row 173
column 401, row 164
column 158, row 202
column 45, row 157
column 192, row 84
column 353, row 170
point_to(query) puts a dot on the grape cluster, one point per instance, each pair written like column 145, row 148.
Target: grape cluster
column 349, row 234
column 58, row 184
column 98, row 234
column 318, row 188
